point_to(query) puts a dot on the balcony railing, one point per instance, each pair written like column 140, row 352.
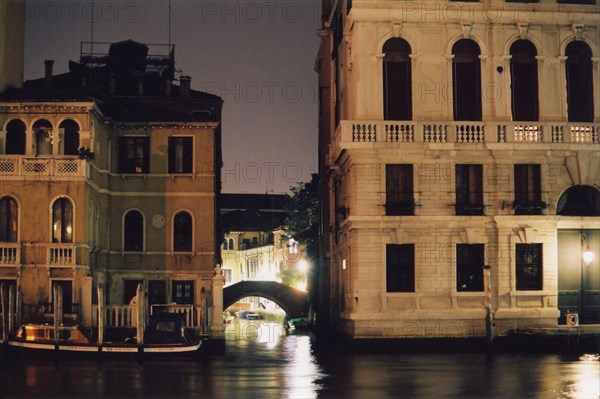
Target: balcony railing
column 466, row 132
column 116, row 316
column 61, row 254
column 46, row 168
column 10, row 253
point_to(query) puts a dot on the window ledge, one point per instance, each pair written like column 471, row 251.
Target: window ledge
column 471, row 293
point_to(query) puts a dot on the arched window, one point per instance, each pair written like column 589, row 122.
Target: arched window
column 133, row 232
column 15, row 137
column 225, row 244
column 231, row 244
column 9, row 219
column 70, row 130
column 524, row 81
column 579, row 201
column 182, row 232
column 466, row 81
column 62, row 221
column 44, row 137
column 580, row 86
column 397, row 80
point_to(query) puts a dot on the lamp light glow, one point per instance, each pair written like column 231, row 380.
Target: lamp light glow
column 588, row 256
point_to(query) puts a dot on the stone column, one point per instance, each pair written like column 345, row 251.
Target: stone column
column 217, row 330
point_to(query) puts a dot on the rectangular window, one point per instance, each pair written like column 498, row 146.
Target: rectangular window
column 400, row 267
column 157, row 292
column 469, row 267
column 183, row 292
column 399, row 195
column 529, row 266
column 227, row 274
column 469, row 189
column 181, row 154
column 134, row 155
column 528, row 190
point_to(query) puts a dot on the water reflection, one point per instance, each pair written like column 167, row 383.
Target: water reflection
column 262, row 361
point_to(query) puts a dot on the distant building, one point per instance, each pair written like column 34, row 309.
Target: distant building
column 255, row 246
column 12, row 38
column 109, row 177
column 450, row 139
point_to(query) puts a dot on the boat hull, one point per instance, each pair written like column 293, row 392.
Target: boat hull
column 20, row 348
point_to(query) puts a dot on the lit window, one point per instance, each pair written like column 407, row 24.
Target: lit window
column 134, row 155
column 62, row 221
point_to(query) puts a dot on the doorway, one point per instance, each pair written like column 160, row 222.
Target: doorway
column 578, row 281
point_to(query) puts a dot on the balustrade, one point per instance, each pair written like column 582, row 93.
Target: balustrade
column 10, row 253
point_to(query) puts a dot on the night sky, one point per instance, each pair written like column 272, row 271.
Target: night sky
column 259, row 56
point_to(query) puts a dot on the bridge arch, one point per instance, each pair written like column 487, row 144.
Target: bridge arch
column 293, row 301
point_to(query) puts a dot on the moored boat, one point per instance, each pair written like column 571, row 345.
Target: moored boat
column 165, row 337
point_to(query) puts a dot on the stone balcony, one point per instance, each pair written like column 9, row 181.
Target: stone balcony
column 18, row 167
column 352, row 133
column 10, row 254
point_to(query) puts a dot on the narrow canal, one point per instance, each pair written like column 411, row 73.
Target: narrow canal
column 263, row 362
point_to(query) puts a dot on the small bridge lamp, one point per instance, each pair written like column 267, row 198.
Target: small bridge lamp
column 303, row 266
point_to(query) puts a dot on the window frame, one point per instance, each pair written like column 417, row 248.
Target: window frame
column 468, row 182
column 133, row 164
column 185, row 144
column 463, row 78
column 470, row 259
column 397, row 80
column 400, row 202
column 527, row 189
column 66, row 219
column 521, row 280
column 132, row 246
column 9, row 215
column 400, row 273
column 188, row 245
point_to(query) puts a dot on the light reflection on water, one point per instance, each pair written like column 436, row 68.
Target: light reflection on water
column 263, row 362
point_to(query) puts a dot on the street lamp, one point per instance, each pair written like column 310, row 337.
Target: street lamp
column 588, row 256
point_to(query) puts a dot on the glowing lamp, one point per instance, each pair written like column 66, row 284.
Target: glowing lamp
column 588, row 256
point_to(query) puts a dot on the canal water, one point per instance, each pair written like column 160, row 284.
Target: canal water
column 263, row 362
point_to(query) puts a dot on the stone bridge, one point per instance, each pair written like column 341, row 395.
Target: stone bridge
column 293, row 301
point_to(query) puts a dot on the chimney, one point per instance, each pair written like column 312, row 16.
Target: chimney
column 48, row 72
column 184, row 86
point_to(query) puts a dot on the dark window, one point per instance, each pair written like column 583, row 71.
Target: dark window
column 529, row 266
column 528, row 190
column 225, row 245
column 397, row 80
column 466, row 81
column 580, row 87
column 400, row 267
column 469, row 189
column 67, row 295
column 231, row 244
column 130, row 290
column 71, row 136
column 44, row 137
column 9, row 218
column 181, row 150
column 134, row 155
column 15, row 137
column 183, row 292
column 62, row 221
column 133, row 232
column 469, row 267
column 579, row 201
column 157, row 292
column 399, row 196
column 524, row 81
column 182, row 232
